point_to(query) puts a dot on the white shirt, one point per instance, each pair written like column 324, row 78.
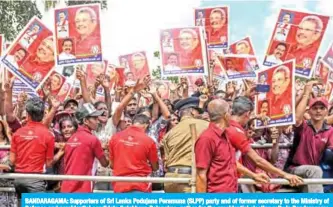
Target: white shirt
column 171, row 68
column 65, row 56
column 273, row 59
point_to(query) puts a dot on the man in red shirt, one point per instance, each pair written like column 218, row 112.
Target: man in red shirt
column 308, row 33
column 32, row 148
column 133, row 153
column 242, row 107
column 311, row 139
column 217, row 29
column 281, row 93
column 37, row 66
column 89, row 40
column 82, row 149
column 190, row 45
column 214, row 154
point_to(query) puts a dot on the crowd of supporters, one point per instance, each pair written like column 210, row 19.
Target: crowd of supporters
column 134, row 132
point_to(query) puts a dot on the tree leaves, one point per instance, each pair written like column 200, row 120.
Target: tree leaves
column 15, row 15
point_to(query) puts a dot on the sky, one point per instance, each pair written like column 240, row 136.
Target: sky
column 133, row 25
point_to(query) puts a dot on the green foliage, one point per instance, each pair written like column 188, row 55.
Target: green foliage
column 104, row 4
column 15, row 15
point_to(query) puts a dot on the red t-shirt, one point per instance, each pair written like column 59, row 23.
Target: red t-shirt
column 301, row 53
column 214, row 152
column 130, row 150
column 237, row 136
column 32, row 145
column 80, row 152
column 214, row 37
column 277, row 104
column 89, row 45
column 308, row 146
column 188, row 59
column 32, row 68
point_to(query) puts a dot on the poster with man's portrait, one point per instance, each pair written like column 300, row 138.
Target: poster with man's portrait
column 275, row 102
column 31, row 55
column 215, row 20
column 328, row 57
column 135, row 64
column 297, row 35
column 183, row 52
column 237, row 67
column 322, row 71
column 243, row 47
column 78, row 34
column 55, row 86
column 217, row 68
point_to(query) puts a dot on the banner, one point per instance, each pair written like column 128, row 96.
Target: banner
column 215, row 20
column 275, row 101
column 177, row 199
column 183, row 52
column 135, row 64
column 31, row 56
column 328, row 57
column 243, row 47
column 78, row 34
column 237, row 67
column 297, row 35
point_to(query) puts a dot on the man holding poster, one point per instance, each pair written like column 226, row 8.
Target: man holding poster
column 279, row 98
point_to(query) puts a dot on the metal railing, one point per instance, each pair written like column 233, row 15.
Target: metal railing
column 254, row 146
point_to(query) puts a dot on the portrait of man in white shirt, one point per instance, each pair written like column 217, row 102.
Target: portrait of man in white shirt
column 278, row 52
column 67, row 48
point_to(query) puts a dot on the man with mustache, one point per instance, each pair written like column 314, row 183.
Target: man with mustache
column 172, row 63
column 280, row 93
column 278, row 52
column 307, row 42
column 88, row 43
column 217, row 29
column 18, row 56
column 67, row 48
column 264, row 108
column 190, row 53
column 39, row 64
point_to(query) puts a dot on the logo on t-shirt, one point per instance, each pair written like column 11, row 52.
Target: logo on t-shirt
column 130, row 138
column 75, row 139
column 30, row 132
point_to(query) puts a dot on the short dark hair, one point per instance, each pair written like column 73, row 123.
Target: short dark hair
column 68, row 118
column 281, row 43
column 25, row 52
column 141, row 119
column 219, row 91
column 241, row 105
column 98, row 103
column 35, row 108
column 67, row 40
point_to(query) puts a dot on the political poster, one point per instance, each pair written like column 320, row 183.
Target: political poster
column 217, row 69
column 328, row 57
column 135, row 64
column 237, row 66
column 275, row 101
column 31, row 55
column 243, row 47
column 78, row 34
column 215, row 20
column 297, row 35
column 183, row 52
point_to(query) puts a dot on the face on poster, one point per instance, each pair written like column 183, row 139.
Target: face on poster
column 297, row 35
column 322, row 71
column 216, row 23
column 135, row 64
column 243, row 47
column 217, row 69
column 162, row 88
column 31, row 56
column 55, row 86
column 276, row 95
column 78, row 34
column 328, row 57
column 183, row 52
column 237, row 67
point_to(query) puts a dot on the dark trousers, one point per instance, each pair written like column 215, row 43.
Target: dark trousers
column 29, row 186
